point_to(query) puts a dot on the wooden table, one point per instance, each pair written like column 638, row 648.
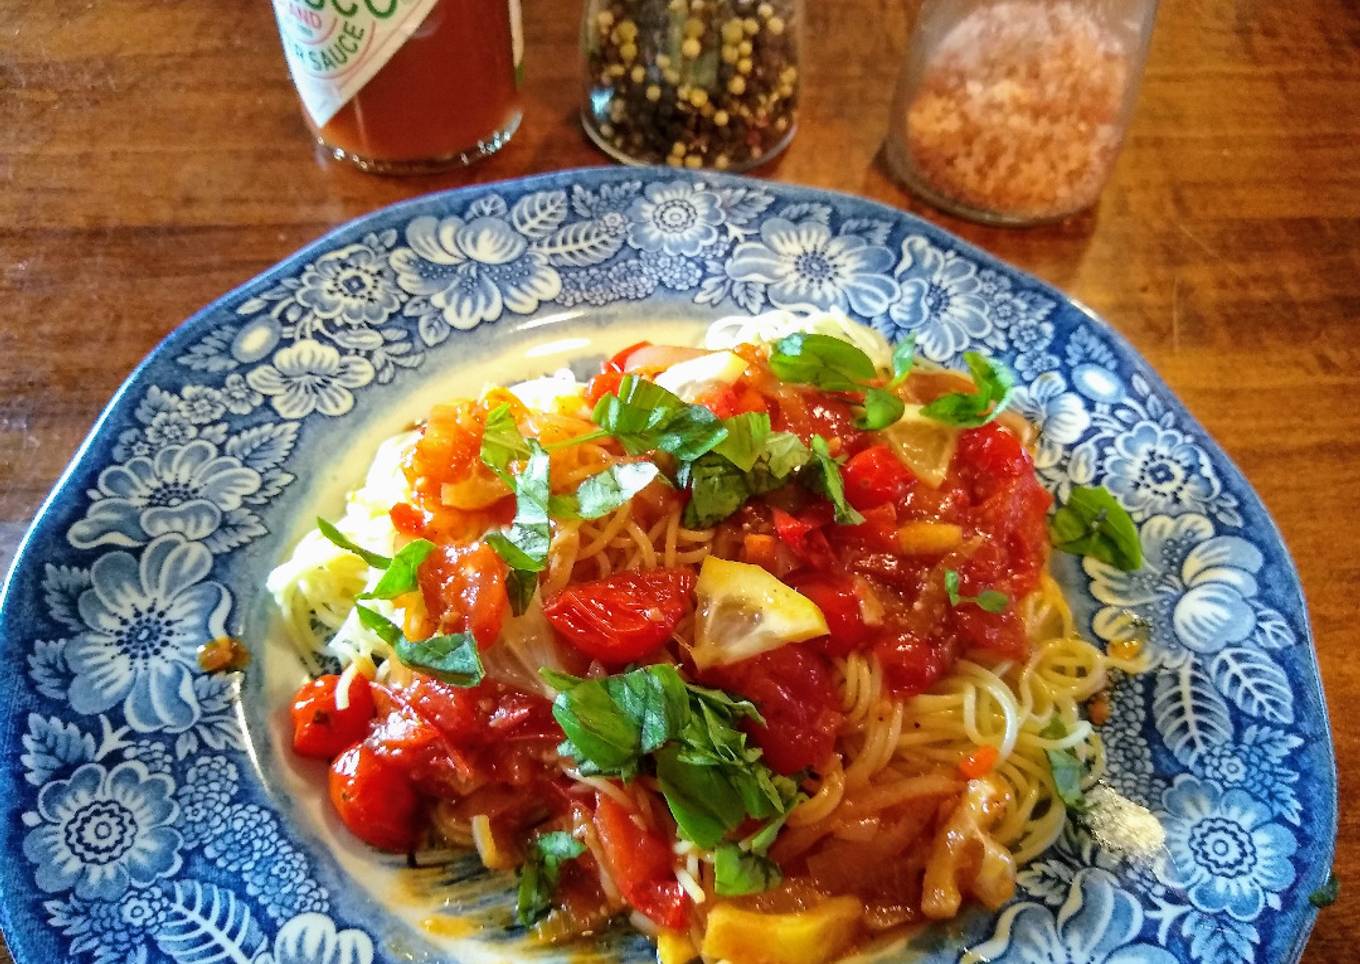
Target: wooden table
column 152, row 157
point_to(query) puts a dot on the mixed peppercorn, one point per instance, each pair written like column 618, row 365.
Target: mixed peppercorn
column 692, row 83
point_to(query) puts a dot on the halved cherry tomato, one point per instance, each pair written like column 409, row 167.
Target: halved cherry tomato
column 876, row 476
column 793, row 689
column 641, row 864
column 375, row 799
column 611, row 374
column 837, row 595
column 320, row 728
column 623, row 617
column 464, row 590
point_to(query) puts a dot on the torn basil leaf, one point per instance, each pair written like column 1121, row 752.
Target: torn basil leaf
column 524, row 546
column 644, row 417
column 745, row 441
column 826, row 479
column 1066, row 769
column 606, row 491
column 903, row 358
column 374, row 559
column 994, row 386
column 737, row 872
column 502, row 442
column 403, row 571
column 451, row 659
column 989, row 600
column 1092, row 523
column 881, row 409
column 717, row 489
column 539, row 874
column 821, row 360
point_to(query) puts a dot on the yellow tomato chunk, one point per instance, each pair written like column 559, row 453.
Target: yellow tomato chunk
column 813, row 936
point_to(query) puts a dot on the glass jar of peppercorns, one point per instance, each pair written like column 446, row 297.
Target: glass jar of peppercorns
column 691, row 83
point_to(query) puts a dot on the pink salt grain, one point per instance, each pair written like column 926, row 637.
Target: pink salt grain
column 1018, row 110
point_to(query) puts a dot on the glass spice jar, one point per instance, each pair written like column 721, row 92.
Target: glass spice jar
column 1014, row 111
column 691, row 83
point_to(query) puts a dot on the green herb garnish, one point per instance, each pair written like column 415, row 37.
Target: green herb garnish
column 1326, row 895
column 403, row 571
column 539, row 873
column 1092, row 523
column 989, row 600
column 450, row 659
column 644, row 417
column 827, row 480
column 340, row 539
column 524, row 547
column 994, row 383
column 502, row 442
column 1066, row 769
column 834, row 365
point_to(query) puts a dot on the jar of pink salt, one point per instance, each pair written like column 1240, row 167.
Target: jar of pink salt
column 1013, row 111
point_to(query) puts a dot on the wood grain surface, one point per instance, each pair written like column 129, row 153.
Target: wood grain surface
column 152, row 157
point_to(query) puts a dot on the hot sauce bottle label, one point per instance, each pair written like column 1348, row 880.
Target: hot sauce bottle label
column 334, row 47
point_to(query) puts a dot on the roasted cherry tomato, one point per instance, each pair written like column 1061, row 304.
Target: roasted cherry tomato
column 623, row 617
column 375, row 799
column 793, row 689
column 803, row 534
column 876, row 476
column 988, row 457
column 840, row 598
column 611, row 374
column 464, row 590
column 320, row 728
column 729, row 400
column 641, row 864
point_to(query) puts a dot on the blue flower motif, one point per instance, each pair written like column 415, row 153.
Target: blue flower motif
column 676, row 218
column 204, row 798
column 1151, row 468
column 1059, row 415
column 237, row 395
column 249, row 836
column 169, row 428
column 942, row 301
column 1099, row 923
column 805, row 266
column 1254, row 763
column 201, row 404
column 354, row 286
column 145, row 621
column 1194, row 592
column 473, row 271
column 101, row 830
column 184, row 488
column 309, row 376
column 1224, row 850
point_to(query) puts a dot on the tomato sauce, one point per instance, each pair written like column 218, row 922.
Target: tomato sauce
column 449, row 89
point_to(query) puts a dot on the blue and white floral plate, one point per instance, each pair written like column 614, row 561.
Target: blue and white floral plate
column 152, row 811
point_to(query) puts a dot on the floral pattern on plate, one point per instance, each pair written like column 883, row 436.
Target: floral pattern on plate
column 139, row 831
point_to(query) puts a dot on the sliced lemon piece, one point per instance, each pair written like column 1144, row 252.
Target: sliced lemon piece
column 813, row 936
column 925, row 445
column 744, row 611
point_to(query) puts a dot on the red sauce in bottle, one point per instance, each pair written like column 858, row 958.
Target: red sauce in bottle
column 449, row 93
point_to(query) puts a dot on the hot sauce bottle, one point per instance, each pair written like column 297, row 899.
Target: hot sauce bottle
column 405, row 86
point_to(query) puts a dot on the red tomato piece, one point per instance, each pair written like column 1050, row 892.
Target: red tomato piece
column 1001, row 633
column 807, row 412
column 911, row 664
column 408, row 520
column 730, row 400
column 793, row 689
column 375, row 799
column 488, row 713
column 837, row 595
column 641, row 864
column 320, row 728
column 464, row 590
column 987, row 457
column 605, row 383
column 804, row 536
column 876, row 476
column 623, row 617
